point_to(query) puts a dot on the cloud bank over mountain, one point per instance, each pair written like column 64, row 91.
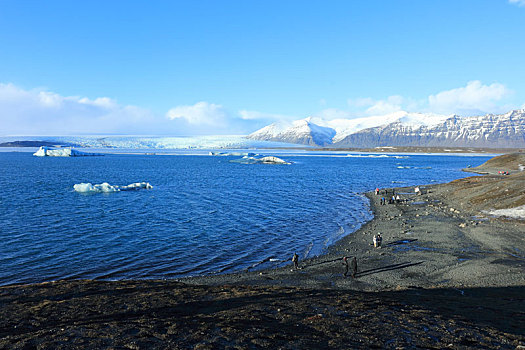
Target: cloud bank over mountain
column 43, row 112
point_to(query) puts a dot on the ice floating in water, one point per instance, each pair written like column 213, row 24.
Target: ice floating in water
column 107, row 188
column 226, row 154
column 263, row 160
column 272, row 160
column 414, row 167
column 45, row 151
column 375, row 156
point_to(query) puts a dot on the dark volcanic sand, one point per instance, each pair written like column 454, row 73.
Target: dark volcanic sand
column 160, row 314
column 444, row 278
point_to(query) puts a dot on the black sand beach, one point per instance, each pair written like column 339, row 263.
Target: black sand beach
column 448, row 275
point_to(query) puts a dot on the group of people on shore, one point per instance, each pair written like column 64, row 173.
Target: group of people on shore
column 378, row 239
column 346, row 265
column 392, row 200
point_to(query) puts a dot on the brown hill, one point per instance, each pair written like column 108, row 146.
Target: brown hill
column 494, row 191
column 513, row 162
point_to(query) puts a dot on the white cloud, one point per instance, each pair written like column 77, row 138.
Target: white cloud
column 205, row 118
column 41, row 112
column 472, row 99
column 368, row 106
column 517, row 2
column 202, row 113
column 333, row 113
column 390, row 105
column 254, row 115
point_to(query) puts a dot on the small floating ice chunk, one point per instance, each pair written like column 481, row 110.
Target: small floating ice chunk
column 107, row 188
column 226, row 154
column 136, row 186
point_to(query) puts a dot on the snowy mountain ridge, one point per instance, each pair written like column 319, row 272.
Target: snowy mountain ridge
column 303, row 131
column 402, row 129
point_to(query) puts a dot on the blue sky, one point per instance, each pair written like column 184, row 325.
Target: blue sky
column 216, row 67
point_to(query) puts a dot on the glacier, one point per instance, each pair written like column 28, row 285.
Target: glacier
column 172, row 143
column 107, row 188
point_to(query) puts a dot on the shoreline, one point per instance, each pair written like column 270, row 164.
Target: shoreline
column 427, row 243
column 439, row 239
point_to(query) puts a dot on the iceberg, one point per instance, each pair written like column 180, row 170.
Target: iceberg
column 45, row 151
column 107, row 188
column 272, row 160
column 226, row 154
column 263, row 160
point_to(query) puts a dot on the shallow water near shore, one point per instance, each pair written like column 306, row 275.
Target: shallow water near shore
column 204, row 214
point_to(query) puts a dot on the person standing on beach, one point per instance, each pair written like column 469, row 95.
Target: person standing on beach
column 345, row 264
column 354, row 266
column 295, row 260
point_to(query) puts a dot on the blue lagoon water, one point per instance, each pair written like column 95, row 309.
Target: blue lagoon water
column 204, row 215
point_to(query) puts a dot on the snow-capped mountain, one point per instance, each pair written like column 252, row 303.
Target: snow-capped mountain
column 302, row 131
column 404, row 129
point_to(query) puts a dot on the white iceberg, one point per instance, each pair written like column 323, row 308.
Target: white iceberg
column 45, row 151
column 263, row 160
column 107, row 188
column 272, row 160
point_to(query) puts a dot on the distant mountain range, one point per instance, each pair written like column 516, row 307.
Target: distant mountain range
column 402, row 129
